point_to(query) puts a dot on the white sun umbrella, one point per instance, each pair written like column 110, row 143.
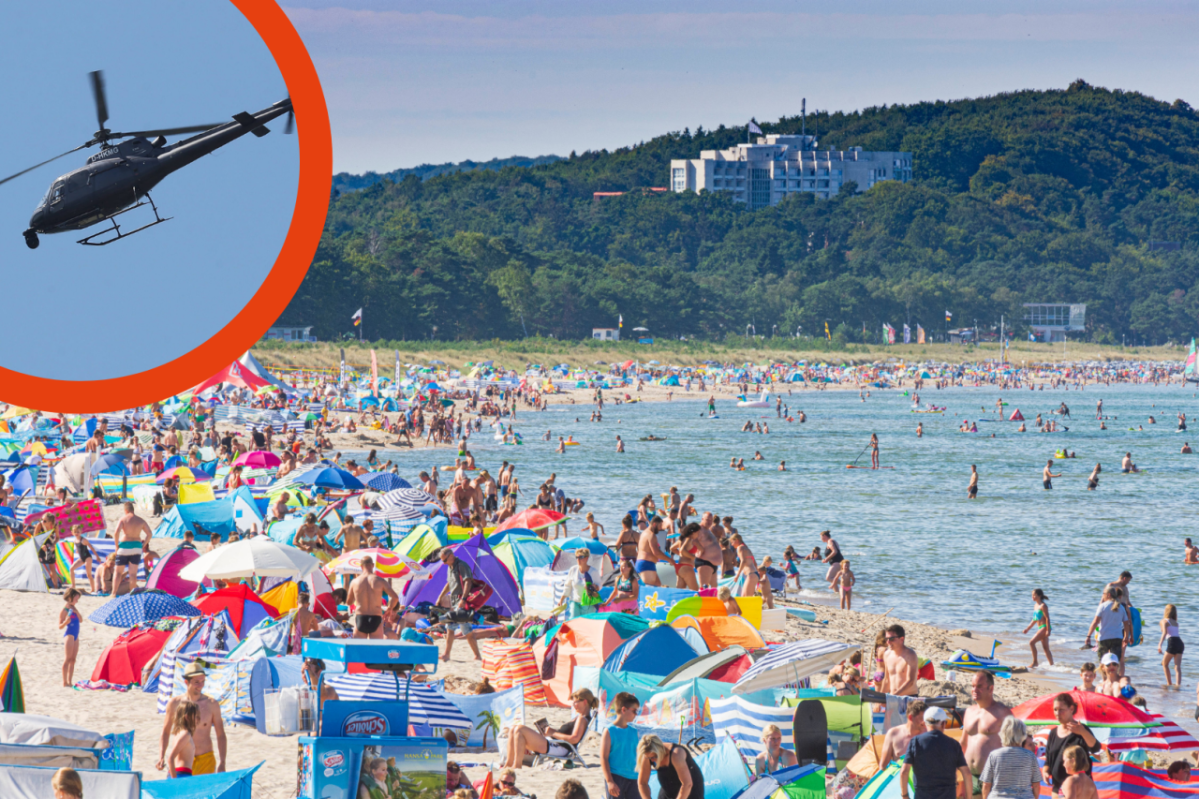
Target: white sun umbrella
column 411, row 498
column 258, row 556
column 792, row 662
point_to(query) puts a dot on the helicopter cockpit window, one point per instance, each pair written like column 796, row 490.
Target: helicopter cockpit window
column 58, row 191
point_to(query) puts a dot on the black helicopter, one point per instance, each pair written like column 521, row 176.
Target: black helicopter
column 116, row 179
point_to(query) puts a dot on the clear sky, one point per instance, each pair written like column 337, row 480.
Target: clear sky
column 75, row 312
column 425, row 81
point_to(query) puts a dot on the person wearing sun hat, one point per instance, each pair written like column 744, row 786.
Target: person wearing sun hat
column 206, row 760
column 936, row 760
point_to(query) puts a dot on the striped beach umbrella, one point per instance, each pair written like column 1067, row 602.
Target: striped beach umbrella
column 425, row 705
column 410, row 498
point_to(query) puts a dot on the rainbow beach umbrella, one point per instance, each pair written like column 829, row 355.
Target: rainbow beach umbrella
column 12, row 694
column 387, row 563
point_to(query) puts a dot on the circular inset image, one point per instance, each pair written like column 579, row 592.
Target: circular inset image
column 156, row 212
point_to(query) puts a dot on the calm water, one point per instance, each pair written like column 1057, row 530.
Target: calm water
column 914, row 539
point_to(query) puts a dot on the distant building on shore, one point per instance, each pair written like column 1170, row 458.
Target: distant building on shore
column 1051, row 321
column 763, row 174
column 289, row 334
column 606, row 333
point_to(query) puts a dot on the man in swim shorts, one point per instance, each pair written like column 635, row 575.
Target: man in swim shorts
column 209, row 724
column 133, row 538
column 1047, row 475
column 972, row 489
column 366, row 596
column 649, row 552
column 832, row 556
column 1191, row 556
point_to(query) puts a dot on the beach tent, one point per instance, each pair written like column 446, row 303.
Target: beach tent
column 251, row 364
column 235, row 375
column 519, row 552
column 191, row 493
column 269, row 638
column 793, row 782
column 12, row 692
column 585, row 641
column 320, row 591
column 226, row 785
column 742, row 720
column 658, row 651
column 420, row 542
column 1118, row 780
column 32, row 782
column 721, row 632
column 245, row 608
column 700, row 606
column 165, row 576
column 723, row 770
column 213, row 517
column 847, row 715
column 484, row 565
column 20, row 570
column 204, row 633
column 704, row 664
column 24, row 728
column 885, row 783
column 122, row 661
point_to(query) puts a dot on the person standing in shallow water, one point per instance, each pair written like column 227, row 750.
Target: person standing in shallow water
column 1041, row 620
column 972, row 489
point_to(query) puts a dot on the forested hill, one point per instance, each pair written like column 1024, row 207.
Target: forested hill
column 344, row 181
column 1021, row 197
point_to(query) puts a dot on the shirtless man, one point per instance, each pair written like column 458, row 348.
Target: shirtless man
column 895, row 742
column 1126, row 465
column 210, row 722
column 686, row 509
column 350, row 536
column 130, row 541
column 306, row 621
column 747, row 565
column 1191, row 557
column 981, row 723
column 366, row 596
column 706, row 549
column 279, row 509
column 972, row 489
column 1186, row 448
column 649, row 553
column 899, row 664
column 1047, row 475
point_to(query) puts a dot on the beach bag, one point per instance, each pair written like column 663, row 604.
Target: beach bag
column 477, row 596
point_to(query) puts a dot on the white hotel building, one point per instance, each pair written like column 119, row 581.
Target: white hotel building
column 764, row 173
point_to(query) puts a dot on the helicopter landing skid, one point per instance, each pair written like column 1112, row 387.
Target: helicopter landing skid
column 158, row 220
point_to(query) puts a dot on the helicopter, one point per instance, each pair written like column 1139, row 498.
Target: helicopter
column 119, row 177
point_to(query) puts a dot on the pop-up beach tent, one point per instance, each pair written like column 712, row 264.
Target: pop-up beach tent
column 213, row 517
column 484, row 565
column 245, row 608
column 165, row 576
column 585, row 641
column 20, row 569
column 122, row 661
column 658, row 651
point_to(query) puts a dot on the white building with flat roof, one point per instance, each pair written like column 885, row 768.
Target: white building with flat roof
column 764, row 173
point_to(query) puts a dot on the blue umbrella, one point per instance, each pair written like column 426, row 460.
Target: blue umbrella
column 330, row 477
column 110, row 463
column 384, row 481
column 23, row 479
column 133, row 609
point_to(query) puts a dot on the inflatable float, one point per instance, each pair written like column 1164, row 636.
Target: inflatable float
column 762, row 402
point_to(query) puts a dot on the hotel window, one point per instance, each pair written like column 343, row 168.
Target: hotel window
column 680, row 179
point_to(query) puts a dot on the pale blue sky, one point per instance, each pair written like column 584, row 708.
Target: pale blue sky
column 77, row 312
column 411, row 82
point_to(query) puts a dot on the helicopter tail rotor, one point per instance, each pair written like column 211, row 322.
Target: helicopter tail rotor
column 290, row 127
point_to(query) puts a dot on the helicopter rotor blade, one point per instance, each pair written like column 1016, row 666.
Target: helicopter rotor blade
column 101, row 99
column 166, row 131
column 43, row 163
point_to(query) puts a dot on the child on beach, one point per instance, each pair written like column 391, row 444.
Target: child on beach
column 593, row 527
column 182, row 753
column 791, row 566
column 1174, row 645
column 843, row 584
column 1041, row 620
column 725, row 595
column 1087, row 674
column 68, row 619
column 84, row 552
column 1079, row 784
column 67, row 784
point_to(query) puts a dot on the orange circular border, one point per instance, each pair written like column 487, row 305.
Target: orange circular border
column 260, row 313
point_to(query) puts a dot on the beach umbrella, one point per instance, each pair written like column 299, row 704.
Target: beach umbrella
column 793, row 782
column 398, row 513
column 258, row 556
column 1167, row 736
column 112, row 462
column 134, row 609
column 35, row 448
column 410, row 498
column 1119, row 780
column 792, row 662
column 122, row 661
column 532, row 519
column 330, row 477
column 1094, row 709
column 22, row 479
column 425, row 705
column 384, row 481
column 387, row 563
column 12, row 693
column 186, row 474
column 258, row 460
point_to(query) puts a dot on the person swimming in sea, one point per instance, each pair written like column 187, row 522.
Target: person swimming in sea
column 1127, row 466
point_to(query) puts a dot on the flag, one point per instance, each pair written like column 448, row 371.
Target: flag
column 948, row 317
column 827, row 334
column 907, row 334
column 374, row 374
column 890, row 331
column 753, row 127
column 919, row 334
column 619, row 321
column 357, row 317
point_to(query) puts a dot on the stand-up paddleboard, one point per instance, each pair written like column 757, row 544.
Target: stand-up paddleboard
column 851, row 466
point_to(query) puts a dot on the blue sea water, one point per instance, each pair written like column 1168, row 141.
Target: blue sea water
column 915, row 541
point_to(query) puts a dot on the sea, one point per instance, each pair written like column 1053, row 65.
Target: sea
column 918, row 546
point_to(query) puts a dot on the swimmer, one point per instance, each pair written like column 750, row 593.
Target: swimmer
column 782, row 466
column 920, row 430
column 757, row 455
column 1127, row 466
column 972, row 489
column 1047, row 475
column 1186, row 448
column 1093, row 480
column 1191, row 556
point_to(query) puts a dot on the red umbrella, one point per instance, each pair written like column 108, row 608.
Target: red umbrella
column 245, row 607
column 531, row 519
column 258, row 460
column 1094, row 708
column 121, row 663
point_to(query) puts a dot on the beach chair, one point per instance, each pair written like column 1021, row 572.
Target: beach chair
column 572, row 756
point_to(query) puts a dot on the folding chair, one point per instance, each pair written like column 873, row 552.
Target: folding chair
column 572, row 755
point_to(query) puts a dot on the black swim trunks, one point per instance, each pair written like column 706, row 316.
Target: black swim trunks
column 1047, row 483
column 701, row 562
column 367, row 624
column 973, row 491
column 129, row 560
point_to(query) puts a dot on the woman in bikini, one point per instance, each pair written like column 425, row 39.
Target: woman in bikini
column 626, row 542
column 684, row 567
column 1040, row 620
